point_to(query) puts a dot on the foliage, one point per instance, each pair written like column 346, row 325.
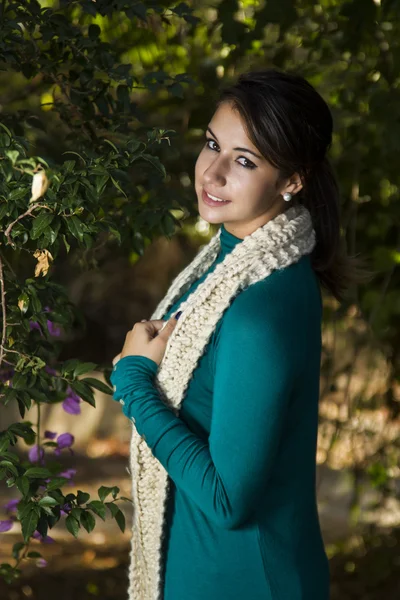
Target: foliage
column 96, row 191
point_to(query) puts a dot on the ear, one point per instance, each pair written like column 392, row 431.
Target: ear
column 294, row 185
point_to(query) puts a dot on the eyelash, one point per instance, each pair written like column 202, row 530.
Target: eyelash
column 250, row 165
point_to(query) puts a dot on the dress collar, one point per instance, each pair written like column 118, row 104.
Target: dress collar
column 228, row 241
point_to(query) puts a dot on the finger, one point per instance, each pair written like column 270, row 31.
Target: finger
column 167, row 328
column 149, row 327
column 159, row 324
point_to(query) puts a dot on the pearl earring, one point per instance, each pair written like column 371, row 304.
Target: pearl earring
column 287, row 196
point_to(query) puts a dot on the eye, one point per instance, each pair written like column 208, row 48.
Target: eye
column 208, row 140
column 249, row 165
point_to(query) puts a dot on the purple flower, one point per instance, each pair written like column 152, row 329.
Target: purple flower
column 50, row 434
column 50, row 370
column 35, row 325
column 65, row 440
column 46, row 540
column 41, row 562
column 72, row 402
column 65, row 509
column 6, row 375
column 54, row 330
column 35, row 455
column 6, row 525
column 68, row 474
column 11, row 505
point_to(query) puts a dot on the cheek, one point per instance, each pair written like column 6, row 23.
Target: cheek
column 201, row 164
column 256, row 191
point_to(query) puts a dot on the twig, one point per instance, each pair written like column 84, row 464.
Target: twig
column 25, row 214
column 3, row 311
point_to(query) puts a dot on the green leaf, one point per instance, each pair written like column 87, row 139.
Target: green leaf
column 34, row 555
column 6, row 130
column 84, row 368
column 104, row 491
column 56, row 483
column 57, row 495
column 19, row 381
column 29, row 522
column 37, row 472
column 67, row 246
column 16, row 549
column 69, row 366
column 101, row 182
column 88, row 521
column 99, row 385
column 116, row 184
column 12, row 155
column 83, row 392
column 17, row 194
column 40, row 223
column 77, row 512
column 82, row 497
column 120, row 518
column 47, row 510
column 123, row 97
column 98, row 507
column 111, row 144
column 176, row 90
column 47, row 501
column 69, row 165
column 155, row 161
column 43, row 525
column 11, row 456
column 76, row 227
column 72, row 525
column 4, row 441
column 22, row 484
column 117, row 514
column 4, row 209
column 9, row 466
column 23, row 303
column 72, row 152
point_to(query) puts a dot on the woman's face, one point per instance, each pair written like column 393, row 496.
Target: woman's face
column 229, row 167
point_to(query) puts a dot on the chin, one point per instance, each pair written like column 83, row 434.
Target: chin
column 210, row 217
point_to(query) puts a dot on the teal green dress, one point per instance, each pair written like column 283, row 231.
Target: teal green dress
column 241, row 456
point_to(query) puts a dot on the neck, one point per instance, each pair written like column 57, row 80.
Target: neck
column 240, row 230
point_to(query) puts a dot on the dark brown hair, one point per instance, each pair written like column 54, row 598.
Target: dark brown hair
column 291, row 125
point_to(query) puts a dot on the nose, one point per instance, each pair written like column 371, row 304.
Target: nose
column 215, row 173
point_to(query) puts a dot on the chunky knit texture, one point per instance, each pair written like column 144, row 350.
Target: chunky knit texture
column 276, row 245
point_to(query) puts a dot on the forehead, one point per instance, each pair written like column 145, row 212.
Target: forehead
column 227, row 123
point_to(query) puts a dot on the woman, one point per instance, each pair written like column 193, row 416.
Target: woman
column 224, row 402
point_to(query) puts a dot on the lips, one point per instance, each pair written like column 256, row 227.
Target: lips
column 215, row 195
column 214, row 203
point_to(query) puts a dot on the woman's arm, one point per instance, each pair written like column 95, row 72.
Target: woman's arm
column 256, row 366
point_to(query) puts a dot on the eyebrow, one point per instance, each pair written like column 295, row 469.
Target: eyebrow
column 240, row 149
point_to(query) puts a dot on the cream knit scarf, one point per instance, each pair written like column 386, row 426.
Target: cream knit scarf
column 275, row 245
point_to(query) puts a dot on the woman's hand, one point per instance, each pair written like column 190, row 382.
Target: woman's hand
column 147, row 338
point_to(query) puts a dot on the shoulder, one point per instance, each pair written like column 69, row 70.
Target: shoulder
column 291, row 291
column 272, row 321
column 282, row 308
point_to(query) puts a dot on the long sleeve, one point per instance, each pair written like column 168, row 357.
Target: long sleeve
column 257, row 358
